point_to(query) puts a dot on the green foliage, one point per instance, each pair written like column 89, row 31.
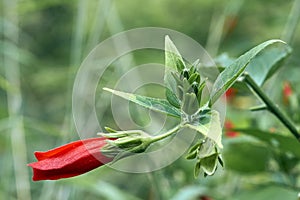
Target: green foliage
column 159, row 105
column 268, row 62
column 173, row 63
column 231, row 73
column 245, row 157
column 275, row 140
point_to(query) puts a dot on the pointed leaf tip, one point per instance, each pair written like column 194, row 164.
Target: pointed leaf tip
column 231, row 73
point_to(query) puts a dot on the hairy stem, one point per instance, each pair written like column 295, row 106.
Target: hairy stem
column 167, row 134
column 272, row 107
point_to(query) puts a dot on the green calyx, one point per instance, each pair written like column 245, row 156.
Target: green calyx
column 122, row 143
column 132, row 141
column 207, row 157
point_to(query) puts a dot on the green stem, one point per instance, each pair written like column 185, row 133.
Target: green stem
column 167, row 134
column 273, row 108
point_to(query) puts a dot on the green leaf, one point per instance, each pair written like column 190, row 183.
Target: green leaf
column 190, row 103
column 197, row 169
column 265, row 64
column 245, row 157
column 192, row 155
column 193, row 151
column 173, row 63
column 231, row 73
column 220, row 159
column 172, row 98
column 209, row 164
column 275, row 140
column 211, row 129
column 155, row 104
column 195, row 147
column 266, row 192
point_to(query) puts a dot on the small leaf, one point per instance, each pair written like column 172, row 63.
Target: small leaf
column 193, row 151
column 209, row 164
column 200, row 89
column 173, row 61
column 155, row 104
column 192, row 155
column 195, row 147
column 197, row 169
column 172, row 98
column 194, row 78
column 221, row 161
column 190, row 104
column 231, row 73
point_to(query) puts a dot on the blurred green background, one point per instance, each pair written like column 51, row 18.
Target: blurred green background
column 43, row 43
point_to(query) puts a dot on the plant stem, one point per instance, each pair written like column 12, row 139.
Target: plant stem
column 167, row 134
column 272, row 107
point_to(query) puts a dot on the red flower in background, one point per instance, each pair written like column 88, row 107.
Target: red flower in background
column 69, row 160
column 228, row 129
column 287, row 92
column 230, row 94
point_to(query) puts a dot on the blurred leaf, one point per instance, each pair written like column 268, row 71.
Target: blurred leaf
column 245, row 157
column 269, row 192
column 173, row 61
column 233, row 71
column 103, row 189
column 155, row 104
column 5, row 85
column 284, row 143
column 13, row 51
column 190, row 193
column 265, row 64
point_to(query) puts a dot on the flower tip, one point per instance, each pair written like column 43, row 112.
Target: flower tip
column 39, row 155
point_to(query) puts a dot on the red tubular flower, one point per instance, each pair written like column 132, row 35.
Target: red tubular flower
column 69, row 160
